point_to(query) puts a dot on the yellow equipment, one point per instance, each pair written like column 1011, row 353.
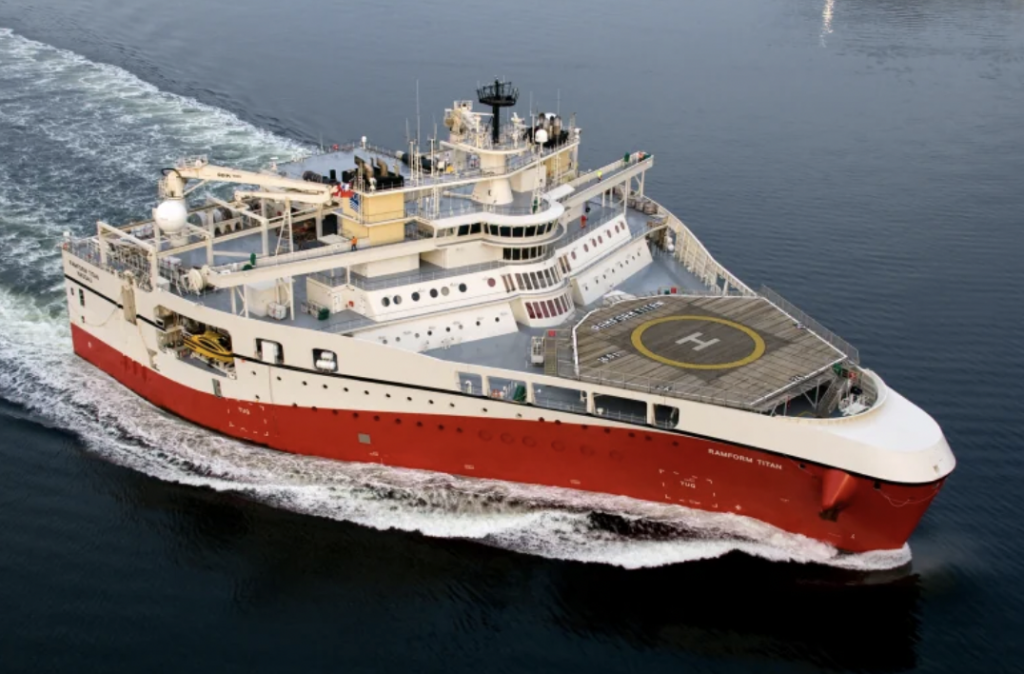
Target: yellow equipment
column 210, row 345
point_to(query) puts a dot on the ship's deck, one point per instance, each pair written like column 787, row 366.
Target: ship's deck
column 737, row 350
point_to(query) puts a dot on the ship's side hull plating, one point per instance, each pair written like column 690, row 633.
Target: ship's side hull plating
column 851, row 512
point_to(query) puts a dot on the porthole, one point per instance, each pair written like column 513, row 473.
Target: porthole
column 491, row 282
column 415, row 297
column 325, row 386
column 574, row 255
column 462, row 287
column 447, row 329
column 586, row 249
column 445, row 291
column 433, row 292
column 496, row 319
column 346, row 389
column 429, row 333
column 257, row 397
column 599, row 239
column 366, row 392
column 384, row 340
column 386, row 302
column 398, row 339
column 478, row 324
column 303, row 383
column 397, row 299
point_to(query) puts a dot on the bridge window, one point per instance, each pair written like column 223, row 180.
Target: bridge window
column 517, row 232
column 531, row 231
column 475, row 229
column 529, row 310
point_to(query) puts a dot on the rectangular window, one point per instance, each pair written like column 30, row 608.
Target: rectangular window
column 519, row 282
column 517, row 232
column 529, row 310
column 529, row 282
column 81, row 297
column 551, row 308
column 506, row 231
column 216, row 388
column 517, row 254
column 535, row 280
column 269, row 352
column 561, row 262
column 531, row 231
column 544, row 309
column 325, row 360
column 475, row 229
column 463, row 230
column 666, row 416
column 508, row 283
column 559, row 306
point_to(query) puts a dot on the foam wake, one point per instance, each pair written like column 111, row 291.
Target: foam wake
column 85, row 142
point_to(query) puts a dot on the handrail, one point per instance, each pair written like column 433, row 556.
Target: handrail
column 814, row 326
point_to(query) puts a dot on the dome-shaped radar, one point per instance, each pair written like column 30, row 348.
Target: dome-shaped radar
column 171, row 216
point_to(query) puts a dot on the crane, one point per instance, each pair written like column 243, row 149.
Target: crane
column 171, row 215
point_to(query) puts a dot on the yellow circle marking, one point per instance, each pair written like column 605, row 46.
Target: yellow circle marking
column 758, row 351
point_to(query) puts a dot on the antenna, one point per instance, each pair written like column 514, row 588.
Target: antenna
column 558, row 104
column 417, row 114
column 498, row 95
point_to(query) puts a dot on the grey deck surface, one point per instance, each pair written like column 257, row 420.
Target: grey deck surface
column 689, row 350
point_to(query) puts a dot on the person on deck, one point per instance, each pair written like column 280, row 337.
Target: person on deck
column 354, row 242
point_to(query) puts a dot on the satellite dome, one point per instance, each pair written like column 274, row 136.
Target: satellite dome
column 171, row 216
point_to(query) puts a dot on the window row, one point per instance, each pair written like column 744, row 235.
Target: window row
column 519, row 232
column 524, row 253
column 434, row 292
column 506, row 231
column 550, row 308
column 534, row 280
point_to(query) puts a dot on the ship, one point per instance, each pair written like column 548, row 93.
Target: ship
column 484, row 307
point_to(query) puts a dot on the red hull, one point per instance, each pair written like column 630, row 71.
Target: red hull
column 641, row 463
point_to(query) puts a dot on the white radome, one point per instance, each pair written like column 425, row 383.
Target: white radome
column 171, row 215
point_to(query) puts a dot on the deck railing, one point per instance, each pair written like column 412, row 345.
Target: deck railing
column 802, row 318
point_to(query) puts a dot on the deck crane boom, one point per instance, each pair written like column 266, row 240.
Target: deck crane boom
column 171, row 215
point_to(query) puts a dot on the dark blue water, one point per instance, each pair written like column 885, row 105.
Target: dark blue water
column 863, row 157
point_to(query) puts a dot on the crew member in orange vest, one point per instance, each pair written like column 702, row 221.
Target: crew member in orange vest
column 354, row 243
